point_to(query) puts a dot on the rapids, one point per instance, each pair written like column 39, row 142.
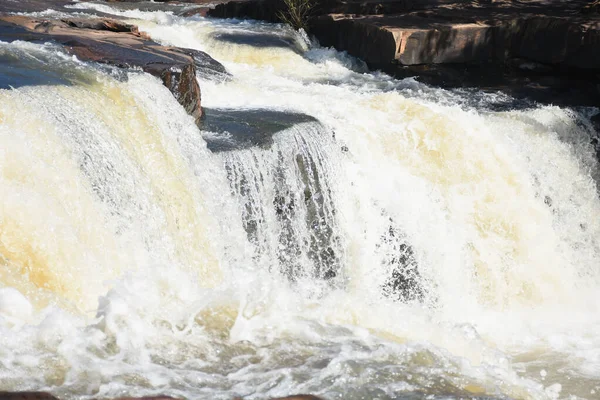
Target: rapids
column 328, row 230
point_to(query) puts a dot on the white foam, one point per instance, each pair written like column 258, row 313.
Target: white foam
column 499, row 208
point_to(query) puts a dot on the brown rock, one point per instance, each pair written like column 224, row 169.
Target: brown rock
column 181, row 81
column 113, row 42
column 457, row 37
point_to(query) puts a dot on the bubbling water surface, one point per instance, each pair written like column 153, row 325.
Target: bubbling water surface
column 366, row 238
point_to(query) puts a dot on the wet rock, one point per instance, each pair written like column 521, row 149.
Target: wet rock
column 206, row 66
column 181, row 81
column 119, row 44
column 147, row 398
column 299, row 397
column 596, row 122
column 228, row 130
column 109, row 25
column 32, row 5
column 404, row 282
column 26, row 396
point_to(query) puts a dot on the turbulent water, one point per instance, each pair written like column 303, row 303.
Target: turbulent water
column 328, row 231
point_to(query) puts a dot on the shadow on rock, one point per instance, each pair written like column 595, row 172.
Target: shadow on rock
column 226, row 130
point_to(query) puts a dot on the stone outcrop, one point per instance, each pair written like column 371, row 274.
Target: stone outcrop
column 494, row 43
column 459, row 36
column 113, row 42
column 435, row 32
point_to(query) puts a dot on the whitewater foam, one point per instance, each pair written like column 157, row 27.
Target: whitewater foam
column 112, row 193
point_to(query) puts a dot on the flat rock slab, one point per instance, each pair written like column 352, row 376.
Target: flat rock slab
column 455, row 35
column 241, row 129
column 115, row 43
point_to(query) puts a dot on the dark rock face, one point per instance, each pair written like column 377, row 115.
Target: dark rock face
column 593, row 7
column 265, row 10
column 26, row 396
column 115, row 43
column 236, row 130
column 438, row 37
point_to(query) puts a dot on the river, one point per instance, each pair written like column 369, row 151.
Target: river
column 328, row 230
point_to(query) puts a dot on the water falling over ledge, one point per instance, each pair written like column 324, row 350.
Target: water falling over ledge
column 381, row 239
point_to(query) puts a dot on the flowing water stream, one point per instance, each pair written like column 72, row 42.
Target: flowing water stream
column 328, row 230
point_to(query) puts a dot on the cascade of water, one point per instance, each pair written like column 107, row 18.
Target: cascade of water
column 288, row 202
column 389, row 239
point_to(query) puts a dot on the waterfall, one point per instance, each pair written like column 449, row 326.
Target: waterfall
column 325, row 230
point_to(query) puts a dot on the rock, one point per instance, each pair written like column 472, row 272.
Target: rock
column 26, row 396
column 101, row 25
column 454, row 36
column 115, row 43
column 206, row 66
column 265, row 10
column 593, row 7
column 299, row 397
column 464, row 43
column 181, row 81
column 564, row 42
column 242, row 129
column 32, row 5
column 147, row 398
